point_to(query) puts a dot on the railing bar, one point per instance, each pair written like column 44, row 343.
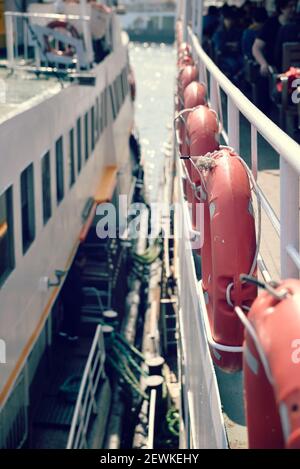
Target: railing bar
column 78, row 407
column 254, row 151
column 294, row 255
column 16, row 38
column 152, row 419
column 281, row 142
column 25, row 36
column 263, row 269
column 269, row 212
column 289, row 217
column 47, row 15
column 225, row 136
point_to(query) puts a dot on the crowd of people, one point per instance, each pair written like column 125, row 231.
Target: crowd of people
column 236, row 35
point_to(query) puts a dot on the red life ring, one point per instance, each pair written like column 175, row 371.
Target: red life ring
column 229, row 247
column 273, row 408
column 194, row 95
column 202, row 134
column 186, row 75
column 65, row 26
column 183, row 49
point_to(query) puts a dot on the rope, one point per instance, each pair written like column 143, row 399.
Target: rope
column 126, row 378
column 135, row 365
column 173, row 419
column 131, row 347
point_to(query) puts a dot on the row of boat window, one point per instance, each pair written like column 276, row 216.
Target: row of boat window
column 93, row 122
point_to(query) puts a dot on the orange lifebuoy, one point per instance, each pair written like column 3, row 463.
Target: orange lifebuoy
column 229, row 249
column 194, row 95
column 66, row 27
column 202, row 134
column 271, row 369
column 186, row 75
column 183, row 49
column 185, row 60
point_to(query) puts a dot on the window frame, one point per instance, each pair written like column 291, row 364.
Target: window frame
column 27, row 193
column 9, row 208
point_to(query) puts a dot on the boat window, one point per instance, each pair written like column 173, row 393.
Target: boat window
column 59, row 170
column 7, row 257
column 116, row 94
column 102, row 116
column 79, row 148
column 86, row 135
column 126, row 86
column 121, row 92
column 93, row 128
column 97, row 130
column 71, row 158
column 105, row 107
column 27, row 207
column 46, row 187
column 100, row 122
column 122, row 86
column 112, row 102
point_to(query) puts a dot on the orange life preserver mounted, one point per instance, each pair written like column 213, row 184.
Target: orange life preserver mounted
column 194, row 95
column 202, row 134
column 229, row 249
column 186, row 75
column 67, row 28
column 179, row 33
column 272, row 368
column 184, row 48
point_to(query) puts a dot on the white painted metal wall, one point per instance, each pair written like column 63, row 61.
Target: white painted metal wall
column 24, row 139
column 201, row 403
column 204, row 425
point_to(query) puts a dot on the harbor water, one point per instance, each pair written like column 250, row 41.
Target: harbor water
column 154, row 69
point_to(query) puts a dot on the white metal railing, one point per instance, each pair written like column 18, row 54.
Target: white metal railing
column 201, row 406
column 151, row 419
column 201, row 411
column 288, row 149
column 25, row 40
column 14, row 415
column 86, row 404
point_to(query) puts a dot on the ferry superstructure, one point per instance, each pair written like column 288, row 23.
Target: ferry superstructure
column 64, row 146
column 167, row 305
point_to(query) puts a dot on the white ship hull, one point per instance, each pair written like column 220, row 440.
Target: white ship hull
column 25, row 312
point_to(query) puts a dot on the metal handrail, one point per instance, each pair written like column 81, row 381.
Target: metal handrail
column 277, row 138
column 151, row 420
column 288, row 226
column 86, row 403
column 56, row 16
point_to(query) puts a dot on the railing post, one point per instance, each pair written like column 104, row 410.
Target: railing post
column 199, row 20
column 233, row 120
column 289, row 218
column 254, row 150
column 193, row 6
column 213, row 93
column 9, row 39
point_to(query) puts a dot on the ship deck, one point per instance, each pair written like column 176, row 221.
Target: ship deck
column 21, row 91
